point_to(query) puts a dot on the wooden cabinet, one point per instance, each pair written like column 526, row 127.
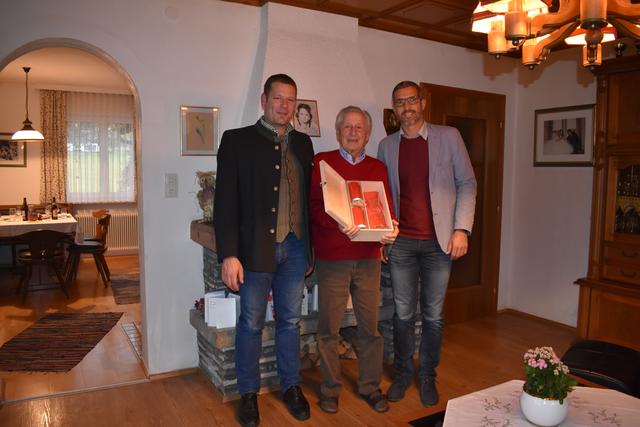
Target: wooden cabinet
column 609, row 307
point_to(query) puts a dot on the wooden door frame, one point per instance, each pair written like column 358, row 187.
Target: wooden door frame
column 492, row 212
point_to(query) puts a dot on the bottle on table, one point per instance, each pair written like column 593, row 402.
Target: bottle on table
column 25, row 209
column 54, row 209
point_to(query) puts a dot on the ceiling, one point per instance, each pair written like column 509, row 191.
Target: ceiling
column 64, row 69
column 446, row 21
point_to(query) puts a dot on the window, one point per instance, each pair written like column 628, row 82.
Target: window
column 100, row 148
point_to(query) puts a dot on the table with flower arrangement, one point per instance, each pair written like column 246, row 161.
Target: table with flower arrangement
column 499, row 406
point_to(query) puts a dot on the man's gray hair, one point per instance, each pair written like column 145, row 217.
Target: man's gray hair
column 353, row 109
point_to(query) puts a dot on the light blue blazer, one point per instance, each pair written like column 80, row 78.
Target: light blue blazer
column 451, row 179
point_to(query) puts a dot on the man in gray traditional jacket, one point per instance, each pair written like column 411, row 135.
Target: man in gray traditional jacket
column 434, row 194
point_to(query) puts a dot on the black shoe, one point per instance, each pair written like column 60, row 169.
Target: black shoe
column 329, row 404
column 397, row 389
column 428, row 392
column 296, row 403
column 377, row 401
column 248, row 415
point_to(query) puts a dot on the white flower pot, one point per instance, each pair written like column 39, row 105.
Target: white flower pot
column 543, row 412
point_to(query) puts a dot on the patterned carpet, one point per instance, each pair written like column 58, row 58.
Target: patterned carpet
column 126, row 289
column 57, row 342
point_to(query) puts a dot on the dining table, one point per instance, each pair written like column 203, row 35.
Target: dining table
column 12, row 226
column 500, row 406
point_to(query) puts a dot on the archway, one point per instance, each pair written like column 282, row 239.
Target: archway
column 132, row 89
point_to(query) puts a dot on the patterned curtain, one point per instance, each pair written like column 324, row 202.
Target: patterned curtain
column 53, row 171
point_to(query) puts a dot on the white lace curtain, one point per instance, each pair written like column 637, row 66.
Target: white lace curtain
column 100, row 148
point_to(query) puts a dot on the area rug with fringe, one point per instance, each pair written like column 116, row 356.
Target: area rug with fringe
column 57, row 342
column 126, row 289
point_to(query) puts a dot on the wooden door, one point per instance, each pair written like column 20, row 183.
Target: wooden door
column 479, row 116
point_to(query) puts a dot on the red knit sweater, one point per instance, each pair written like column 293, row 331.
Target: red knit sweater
column 328, row 241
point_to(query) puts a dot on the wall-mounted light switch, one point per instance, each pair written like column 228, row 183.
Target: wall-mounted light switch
column 170, row 185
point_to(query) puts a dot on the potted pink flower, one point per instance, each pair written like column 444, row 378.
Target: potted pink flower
column 543, row 400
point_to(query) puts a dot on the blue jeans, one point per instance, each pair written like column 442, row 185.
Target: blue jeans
column 287, row 284
column 418, row 266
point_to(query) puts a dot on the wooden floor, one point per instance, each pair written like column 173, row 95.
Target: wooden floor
column 112, row 361
column 475, row 355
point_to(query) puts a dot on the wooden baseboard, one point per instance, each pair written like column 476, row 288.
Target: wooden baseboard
column 538, row 319
column 171, row 374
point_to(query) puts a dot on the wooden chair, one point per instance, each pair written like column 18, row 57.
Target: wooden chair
column 96, row 247
column 97, row 215
column 44, row 248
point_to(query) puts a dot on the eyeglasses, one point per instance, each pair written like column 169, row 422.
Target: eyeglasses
column 412, row 100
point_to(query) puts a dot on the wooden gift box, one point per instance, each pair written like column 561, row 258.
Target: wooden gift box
column 337, row 202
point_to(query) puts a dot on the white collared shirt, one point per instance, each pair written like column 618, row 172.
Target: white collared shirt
column 422, row 132
column 345, row 155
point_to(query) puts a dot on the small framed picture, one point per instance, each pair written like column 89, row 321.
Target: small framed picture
column 306, row 119
column 199, row 130
column 564, row 136
column 12, row 153
column 390, row 121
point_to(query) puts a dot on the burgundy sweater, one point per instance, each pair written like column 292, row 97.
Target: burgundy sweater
column 416, row 217
column 329, row 242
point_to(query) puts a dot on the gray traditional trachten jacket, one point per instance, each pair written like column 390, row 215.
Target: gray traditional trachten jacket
column 452, row 182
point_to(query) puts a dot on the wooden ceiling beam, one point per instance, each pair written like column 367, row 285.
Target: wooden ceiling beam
column 421, row 26
column 388, row 20
column 454, row 20
column 393, row 9
column 475, row 43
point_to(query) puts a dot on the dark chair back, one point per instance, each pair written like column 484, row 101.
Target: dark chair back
column 42, row 244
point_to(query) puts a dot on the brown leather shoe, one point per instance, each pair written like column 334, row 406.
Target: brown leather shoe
column 377, row 401
column 329, row 404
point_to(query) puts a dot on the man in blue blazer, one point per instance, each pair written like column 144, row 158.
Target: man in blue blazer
column 434, row 194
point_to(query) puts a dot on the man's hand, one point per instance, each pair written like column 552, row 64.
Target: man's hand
column 389, row 238
column 350, row 231
column 232, row 273
column 458, row 245
column 384, row 254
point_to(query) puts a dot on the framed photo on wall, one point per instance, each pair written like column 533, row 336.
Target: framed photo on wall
column 12, row 153
column 306, row 119
column 564, row 136
column 199, row 128
column 390, row 121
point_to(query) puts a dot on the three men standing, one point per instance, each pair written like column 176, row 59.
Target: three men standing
column 434, row 192
column 262, row 238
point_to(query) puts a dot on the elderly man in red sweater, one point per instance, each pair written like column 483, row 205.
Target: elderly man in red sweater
column 344, row 267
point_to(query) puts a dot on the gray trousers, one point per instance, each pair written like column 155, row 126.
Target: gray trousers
column 336, row 279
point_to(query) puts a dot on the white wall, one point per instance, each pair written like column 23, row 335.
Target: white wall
column 203, row 52
column 19, row 182
column 194, row 53
column 547, row 247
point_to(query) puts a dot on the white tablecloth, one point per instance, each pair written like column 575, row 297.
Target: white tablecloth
column 66, row 224
column 500, row 406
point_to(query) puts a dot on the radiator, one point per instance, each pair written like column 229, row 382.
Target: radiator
column 122, row 238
